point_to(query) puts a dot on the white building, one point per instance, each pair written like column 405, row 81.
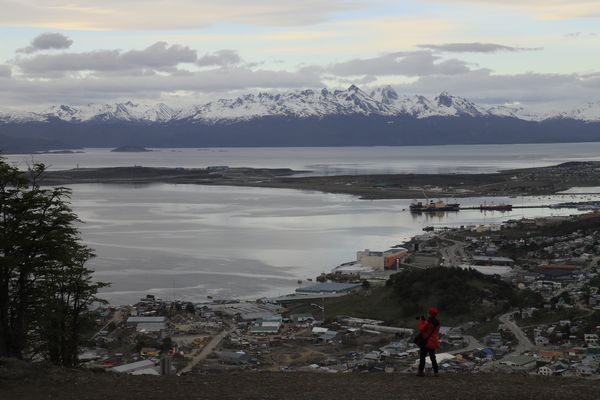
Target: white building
column 591, row 339
column 144, row 367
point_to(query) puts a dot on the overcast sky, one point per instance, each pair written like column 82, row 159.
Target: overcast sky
column 541, row 54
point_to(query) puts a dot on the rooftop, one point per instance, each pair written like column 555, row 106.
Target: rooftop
column 494, row 259
column 329, row 287
column 138, row 320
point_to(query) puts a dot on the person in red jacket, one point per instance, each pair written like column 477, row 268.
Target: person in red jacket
column 429, row 329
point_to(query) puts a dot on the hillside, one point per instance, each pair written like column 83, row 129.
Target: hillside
column 461, row 295
column 23, row 382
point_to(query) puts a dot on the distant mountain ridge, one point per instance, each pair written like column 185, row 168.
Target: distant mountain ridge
column 348, row 117
column 307, row 103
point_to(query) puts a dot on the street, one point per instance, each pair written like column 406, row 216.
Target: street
column 452, row 255
column 202, row 354
column 524, row 344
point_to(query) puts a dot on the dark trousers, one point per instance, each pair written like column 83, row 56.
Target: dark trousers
column 424, row 351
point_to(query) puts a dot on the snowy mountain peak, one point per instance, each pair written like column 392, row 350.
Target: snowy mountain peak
column 587, row 112
column 384, row 101
column 444, row 99
column 386, row 95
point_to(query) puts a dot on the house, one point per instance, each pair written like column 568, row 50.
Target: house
column 591, row 339
column 302, row 318
column 149, row 325
column 330, row 336
column 317, row 330
column 587, row 367
column 487, row 354
column 554, row 369
column 519, row 363
column 270, row 324
column 550, row 355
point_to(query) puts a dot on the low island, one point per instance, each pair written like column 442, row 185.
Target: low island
column 519, row 182
column 130, row 149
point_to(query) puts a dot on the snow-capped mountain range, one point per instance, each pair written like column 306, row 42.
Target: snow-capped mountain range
column 384, row 101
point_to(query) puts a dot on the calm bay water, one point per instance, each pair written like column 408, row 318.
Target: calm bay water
column 189, row 242
column 338, row 160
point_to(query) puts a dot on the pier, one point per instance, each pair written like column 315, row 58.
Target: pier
column 513, row 207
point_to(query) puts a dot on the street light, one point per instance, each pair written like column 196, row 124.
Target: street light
column 322, row 308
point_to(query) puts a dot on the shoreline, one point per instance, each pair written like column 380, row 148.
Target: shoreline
column 507, row 183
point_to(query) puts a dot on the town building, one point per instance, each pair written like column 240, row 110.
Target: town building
column 490, row 260
column 382, row 260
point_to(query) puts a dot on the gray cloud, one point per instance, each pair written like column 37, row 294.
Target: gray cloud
column 483, row 86
column 47, row 41
column 220, row 58
column 475, row 47
column 155, row 73
column 417, row 63
column 72, row 90
column 5, row 71
column 157, row 56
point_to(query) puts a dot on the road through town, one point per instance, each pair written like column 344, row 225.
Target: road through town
column 523, row 342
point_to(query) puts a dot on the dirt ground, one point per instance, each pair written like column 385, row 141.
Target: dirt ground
column 37, row 383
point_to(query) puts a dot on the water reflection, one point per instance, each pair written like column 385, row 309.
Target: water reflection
column 190, row 241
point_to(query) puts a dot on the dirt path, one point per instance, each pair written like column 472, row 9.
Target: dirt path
column 291, row 386
column 215, row 341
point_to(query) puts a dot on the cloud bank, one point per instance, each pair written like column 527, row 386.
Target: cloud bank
column 170, row 71
column 47, row 41
column 474, row 47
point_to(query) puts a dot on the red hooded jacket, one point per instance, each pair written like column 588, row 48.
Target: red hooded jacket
column 427, row 328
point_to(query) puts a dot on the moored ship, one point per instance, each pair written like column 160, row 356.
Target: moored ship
column 440, row 205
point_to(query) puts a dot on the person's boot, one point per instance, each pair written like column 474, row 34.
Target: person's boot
column 420, row 373
column 436, row 374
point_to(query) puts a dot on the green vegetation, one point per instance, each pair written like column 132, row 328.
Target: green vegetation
column 45, row 288
column 460, row 295
column 457, row 292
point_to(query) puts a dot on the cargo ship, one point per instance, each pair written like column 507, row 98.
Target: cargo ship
column 440, row 205
column 495, row 207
